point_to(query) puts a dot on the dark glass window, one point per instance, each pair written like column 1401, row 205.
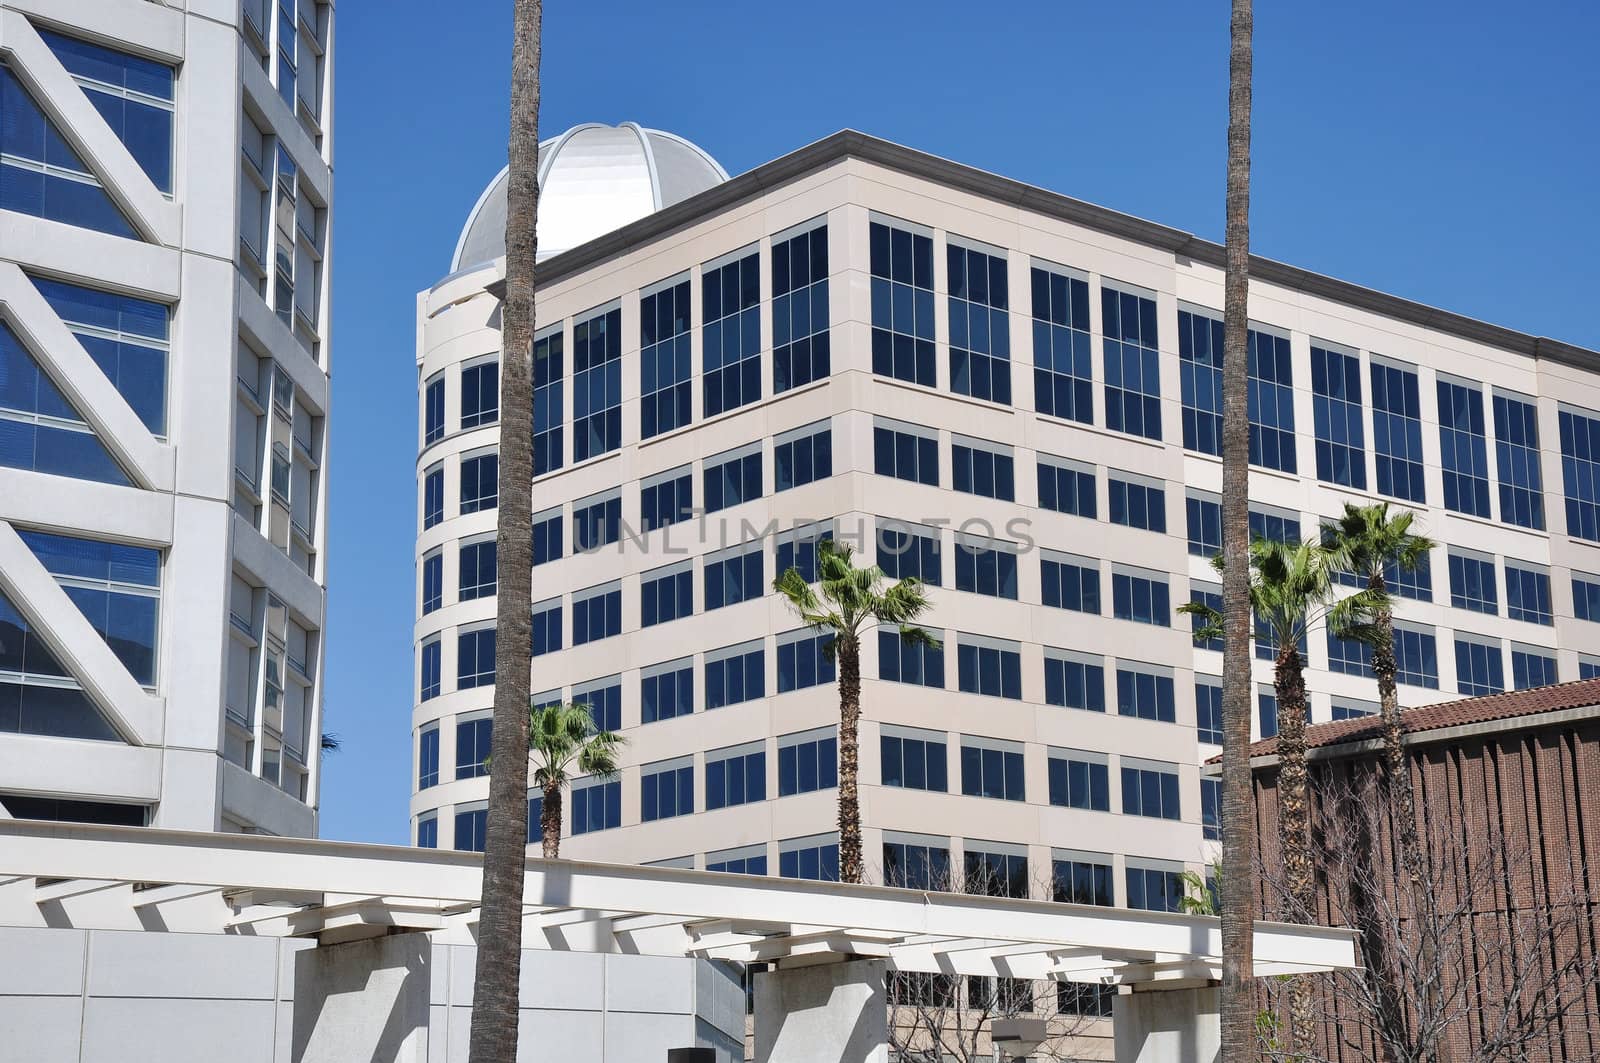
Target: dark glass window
column 1267, row 715
column 1275, row 527
column 666, row 792
column 1205, row 594
column 596, row 385
column 992, row 874
column 1416, row 657
column 477, row 570
column 735, row 778
column 909, row 552
column 667, row 500
column 664, row 360
column 432, row 497
column 474, row 741
column 914, row 763
column 986, row 567
column 980, row 326
column 731, row 481
column 753, row 863
column 800, row 309
column 1586, row 597
column 736, row 674
column 1205, row 525
column 1516, row 445
column 1580, row 473
column 432, row 582
column 1345, row 711
column 1067, row 488
column 1063, row 381
column 1210, row 809
column 603, row 699
column 734, row 578
column 475, row 659
column 1154, row 890
column 1070, row 583
column 1132, row 364
column 429, row 668
column 989, row 668
column 428, row 831
column 1146, row 695
column 546, row 628
column 480, row 394
column 1137, row 505
column 804, row 662
column 1528, row 594
column 428, row 758
column 126, row 337
column 1531, row 668
column 1081, row 881
column 1271, row 400
column 989, row 770
column 797, row 462
column 730, row 340
column 808, row 764
column 472, row 829
column 1472, row 583
column 41, row 175
column 1208, row 712
column 1589, row 667
column 40, row 430
column 596, row 614
column 905, row 456
column 1479, row 667
column 1074, row 684
column 798, row 550
column 1078, row 781
column 1150, row 791
column 1463, row 449
column 978, row 471
column 547, row 537
column 535, row 819
column 134, row 96
column 480, row 483
column 1397, row 432
column 117, row 590
column 1200, row 373
column 549, row 414
column 666, row 692
column 817, row 862
column 903, row 662
column 1349, row 657
column 1142, row 599
column 666, row 594
column 902, row 304
column 596, row 806
column 916, row 867
column 1337, row 414
column 596, row 522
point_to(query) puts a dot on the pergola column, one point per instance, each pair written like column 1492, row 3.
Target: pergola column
column 1168, row 1025
column 825, row 1013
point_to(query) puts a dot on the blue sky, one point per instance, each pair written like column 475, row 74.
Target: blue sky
column 1446, row 152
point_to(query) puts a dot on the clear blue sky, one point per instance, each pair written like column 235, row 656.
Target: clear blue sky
column 1448, row 152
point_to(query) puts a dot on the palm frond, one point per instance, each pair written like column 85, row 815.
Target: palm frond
column 1209, row 617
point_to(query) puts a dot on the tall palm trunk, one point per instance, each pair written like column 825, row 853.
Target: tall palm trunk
column 848, row 651
column 1294, row 822
column 1238, row 822
column 495, row 997
column 550, row 820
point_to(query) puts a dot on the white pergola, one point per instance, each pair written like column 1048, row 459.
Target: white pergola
column 95, row 877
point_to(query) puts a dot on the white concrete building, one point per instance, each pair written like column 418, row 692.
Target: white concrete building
column 165, row 184
column 1012, row 394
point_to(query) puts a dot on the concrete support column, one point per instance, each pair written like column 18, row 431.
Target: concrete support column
column 829, row 1013
column 1169, row 1026
column 363, row 1000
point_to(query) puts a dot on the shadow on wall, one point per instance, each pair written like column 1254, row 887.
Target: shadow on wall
column 363, row 1001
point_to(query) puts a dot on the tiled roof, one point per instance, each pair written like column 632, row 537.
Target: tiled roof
column 1576, row 695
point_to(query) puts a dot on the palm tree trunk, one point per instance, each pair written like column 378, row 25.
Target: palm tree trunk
column 495, row 989
column 550, row 821
column 1294, row 823
column 1238, row 817
column 849, row 655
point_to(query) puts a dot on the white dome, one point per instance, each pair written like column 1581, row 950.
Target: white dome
column 592, row 179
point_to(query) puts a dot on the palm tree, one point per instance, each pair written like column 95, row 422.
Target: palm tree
column 493, row 1038
column 562, row 737
column 1292, row 587
column 331, row 743
column 1238, row 817
column 846, row 601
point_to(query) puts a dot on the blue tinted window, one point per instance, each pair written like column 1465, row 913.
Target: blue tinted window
column 982, row 472
column 666, row 596
column 478, row 570
column 1586, row 597
column 995, row 874
column 980, row 326
column 984, row 569
column 37, row 693
column 664, row 360
column 801, row 461
column 428, row 831
column 1074, row 684
column 736, row 779
column 800, row 309
column 433, row 410
column 596, row 806
column 1150, row 792
column 1516, row 445
column 988, row 771
column 549, row 415
column 1143, row 599
column 432, row 497
column 804, row 767
column 743, row 865
column 805, row 662
column 1210, row 809
column 903, row 662
column 474, row 742
column 1589, row 667
column 1349, row 657
column 1528, row 594
column 1266, row 640
column 1275, row 527
column 1472, row 584
column 1146, row 695
column 480, row 394
column 603, row 699
column 472, row 829
column 1479, row 668
column 990, row 670
column 133, row 95
column 1153, row 890
column 1208, row 712
column 666, row 793
column 1463, row 450
column 905, row 456
column 902, row 304
column 475, row 659
column 666, row 502
column 432, row 582
column 1337, row 414
column 535, row 819
column 1212, row 597
column 546, row 628
column 798, row 550
column 1200, row 373
column 115, row 587
column 1063, row 381
column 547, row 538
column 734, row 579
column 126, row 337
column 1066, row 489
column 735, row 677
column 907, row 554
column 1081, row 882
column 1205, row 526
column 1397, row 432
column 1133, row 378
column 1342, row 711
column 39, row 429
column 818, row 863
column 914, row 763
column 596, row 615
column 596, row 385
column 1137, row 505
column 1416, row 658
column 916, row 867
column 596, row 524
column 665, row 695
column 1267, row 715
column 1580, row 473
column 730, row 302
column 732, row 481
column 41, row 175
column 1416, row 583
column 480, row 483
column 1531, row 669
column 1068, row 585
column 428, row 759
column 1271, row 403
column 1079, row 783
column 429, row 668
